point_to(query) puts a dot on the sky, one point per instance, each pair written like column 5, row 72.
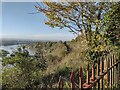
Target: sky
column 17, row 22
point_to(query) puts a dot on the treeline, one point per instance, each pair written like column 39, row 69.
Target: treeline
column 7, row 42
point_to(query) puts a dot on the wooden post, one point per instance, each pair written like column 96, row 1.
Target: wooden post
column 101, row 72
column 102, row 82
column 80, row 79
column 98, row 73
column 72, row 80
column 110, row 73
column 118, row 68
column 106, row 76
column 88, row 74
column 115, row 78
column 93, row 74
column 93, row 71
column 113, row 70
column 60, row 83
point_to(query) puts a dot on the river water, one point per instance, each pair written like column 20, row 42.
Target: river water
column 12, row 48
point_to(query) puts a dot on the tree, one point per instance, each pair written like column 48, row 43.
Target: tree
column 112, row 20
column 108, row 39
column 78, row 17
column 111, row 30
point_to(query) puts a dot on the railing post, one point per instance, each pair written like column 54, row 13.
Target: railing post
column 110, row 73
column 88, row 74
column 118, row 69
column 106, row 76
column 115, row 72
column 80, row 79
column 98, row 73
column 112, row 70
column 72, row 80
column 93, row 74
column 93, row 71
column 101, row 72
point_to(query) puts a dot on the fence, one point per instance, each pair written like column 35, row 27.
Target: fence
column 105, row 74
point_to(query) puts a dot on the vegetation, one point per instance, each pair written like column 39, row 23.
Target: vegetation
column 51, row 60
column 83, row 18
column 98, row 29
column 3, row 53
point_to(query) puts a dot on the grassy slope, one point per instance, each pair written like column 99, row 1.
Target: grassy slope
column 62, row 58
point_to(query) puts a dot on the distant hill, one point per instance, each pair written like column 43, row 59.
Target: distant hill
column 6, row 41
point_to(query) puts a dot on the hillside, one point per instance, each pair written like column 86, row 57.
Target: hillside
column 62, row 57
column 51, row 60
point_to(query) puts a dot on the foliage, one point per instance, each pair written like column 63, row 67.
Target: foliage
column 3, row 53
column 76, row 16
column 108, row 39
column 119, row 84
column 21, row 70
column 12, row 78
column 113, row 27
column 66, row 85
column 80, row 18
column 40, row 61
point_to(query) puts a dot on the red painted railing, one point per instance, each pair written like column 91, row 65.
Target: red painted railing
column 108, row 70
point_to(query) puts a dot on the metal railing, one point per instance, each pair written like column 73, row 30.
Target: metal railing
column 105, row 74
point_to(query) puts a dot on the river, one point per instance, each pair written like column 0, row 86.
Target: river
column 11, row 48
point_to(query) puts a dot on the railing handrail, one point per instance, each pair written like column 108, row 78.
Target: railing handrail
column 99, row 77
